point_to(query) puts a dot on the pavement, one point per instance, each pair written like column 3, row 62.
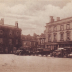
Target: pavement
column 15, row 63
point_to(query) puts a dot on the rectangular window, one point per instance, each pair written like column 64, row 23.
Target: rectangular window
column 55, row 37
column 62, row 27
column 55, row 28
column 68, row 36
column 68, row 26
column 10, row 41
column 10, row 32
column 1, row 40
column 1, row 32
column 61, row 36
column 49, row 29
column 16, row 41
column 49, row 38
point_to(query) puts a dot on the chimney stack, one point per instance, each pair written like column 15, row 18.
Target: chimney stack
column 51, row 19
column 2, row 21
column 16, row 24
column 58, row 18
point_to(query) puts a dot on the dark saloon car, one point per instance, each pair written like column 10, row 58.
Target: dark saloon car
column 58, row 52
column 43, row 51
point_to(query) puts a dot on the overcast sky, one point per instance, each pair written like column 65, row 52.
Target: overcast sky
column 32, row 15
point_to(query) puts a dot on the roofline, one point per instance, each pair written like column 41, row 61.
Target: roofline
column 59, row 20
column 5, row 25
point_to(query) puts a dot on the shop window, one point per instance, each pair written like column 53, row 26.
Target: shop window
column 49, row 38
column 10, row 41
column 1, row 40
column 1, row 32
column 62, row 27
column 68, row 26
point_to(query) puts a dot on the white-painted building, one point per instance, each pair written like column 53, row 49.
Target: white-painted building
column 58, row 33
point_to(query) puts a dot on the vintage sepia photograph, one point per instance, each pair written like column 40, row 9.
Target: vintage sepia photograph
column 35, row 35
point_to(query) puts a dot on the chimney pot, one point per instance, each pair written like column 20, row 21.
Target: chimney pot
column 51, row 19
column 16, row 24
column 2, row 21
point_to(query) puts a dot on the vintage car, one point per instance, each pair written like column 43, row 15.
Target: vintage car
column 24, row 52
column 19, row 52
column 67, row 52
column 70, row 55
column 43, row 51
column 57, row 53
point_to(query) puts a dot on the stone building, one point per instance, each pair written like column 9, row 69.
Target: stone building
column 58, row 33
column 41, row 40
column 10, row 37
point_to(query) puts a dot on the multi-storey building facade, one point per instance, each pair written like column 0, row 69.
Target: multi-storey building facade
column 29, row 43
column 10, row 37
column 59, row 33
column 41, row 41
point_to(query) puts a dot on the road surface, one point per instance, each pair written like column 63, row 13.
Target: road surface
column 14, row 63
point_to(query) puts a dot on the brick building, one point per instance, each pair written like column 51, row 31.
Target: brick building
column 58, row 33
column 29, row 43
column 10, row 37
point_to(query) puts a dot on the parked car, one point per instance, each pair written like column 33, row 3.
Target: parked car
column 24, row 52
column 70, row 55
column 43, row 51
column 19, row 52
column 57, row 53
